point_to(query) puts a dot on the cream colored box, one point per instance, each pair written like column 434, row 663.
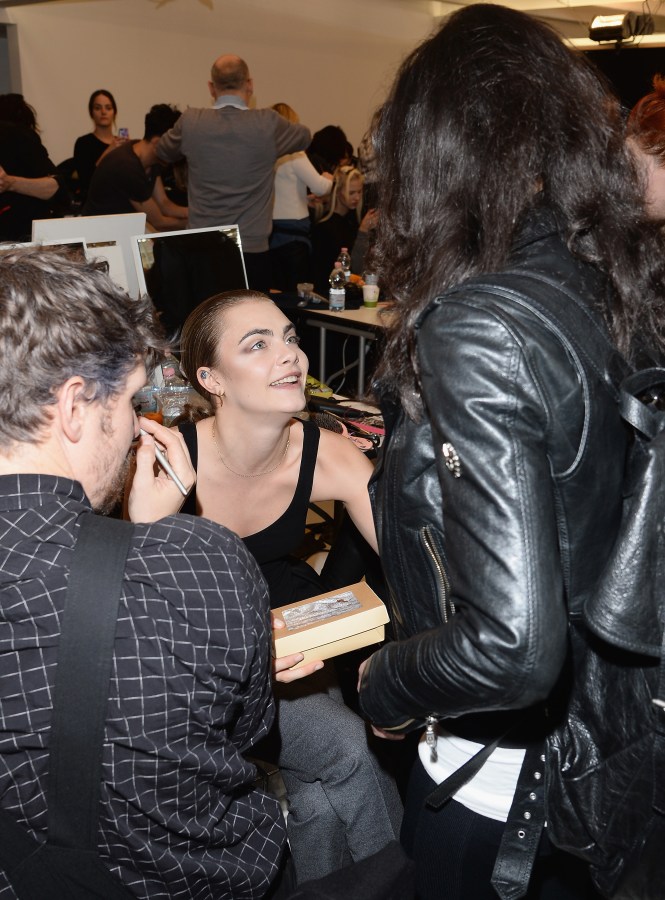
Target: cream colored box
column 330, row 624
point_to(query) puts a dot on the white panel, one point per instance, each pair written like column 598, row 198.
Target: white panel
column 113, row 231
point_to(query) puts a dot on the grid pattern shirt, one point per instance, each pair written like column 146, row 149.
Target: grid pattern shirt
column 189, row 694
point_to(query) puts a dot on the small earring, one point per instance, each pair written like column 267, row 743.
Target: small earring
column 204, row 374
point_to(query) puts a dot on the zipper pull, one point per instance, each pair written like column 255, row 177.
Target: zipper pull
column 430, row 737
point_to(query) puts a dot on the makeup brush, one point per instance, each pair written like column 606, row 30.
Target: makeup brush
column 168, row 468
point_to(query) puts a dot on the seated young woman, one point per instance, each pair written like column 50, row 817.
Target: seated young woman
column 258, row 468
column 339, row 227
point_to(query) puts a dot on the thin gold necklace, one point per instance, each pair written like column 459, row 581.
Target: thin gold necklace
column 244, row 474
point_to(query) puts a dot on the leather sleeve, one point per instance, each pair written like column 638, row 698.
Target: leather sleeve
column 486, row 394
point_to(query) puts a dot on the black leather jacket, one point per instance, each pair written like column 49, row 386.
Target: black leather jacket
column 482, row 568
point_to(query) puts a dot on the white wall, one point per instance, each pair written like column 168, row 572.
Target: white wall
column 332, row 60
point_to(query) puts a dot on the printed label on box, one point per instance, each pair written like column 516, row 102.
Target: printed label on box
column 320, row 610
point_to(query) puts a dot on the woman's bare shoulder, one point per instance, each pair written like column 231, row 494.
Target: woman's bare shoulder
column 341, row 463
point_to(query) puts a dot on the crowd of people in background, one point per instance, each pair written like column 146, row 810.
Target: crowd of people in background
column 297, row 202
column 322, row 197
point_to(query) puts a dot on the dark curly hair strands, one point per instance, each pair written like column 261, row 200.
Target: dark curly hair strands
column 486, row 119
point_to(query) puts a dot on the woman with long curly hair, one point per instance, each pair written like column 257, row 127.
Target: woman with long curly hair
column 505, row 181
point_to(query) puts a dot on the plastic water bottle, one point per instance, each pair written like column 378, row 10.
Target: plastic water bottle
column 345, row 259
column 337, row 292
column 171, row 372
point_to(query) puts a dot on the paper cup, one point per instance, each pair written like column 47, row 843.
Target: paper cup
column 370, row 295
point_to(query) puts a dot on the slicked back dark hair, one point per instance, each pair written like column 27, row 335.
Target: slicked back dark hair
column 490, row 109
column 202, row 331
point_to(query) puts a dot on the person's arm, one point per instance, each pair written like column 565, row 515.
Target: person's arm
column 320, row 185
column 225, row 624
column 342, row 472
column 167, row 206
column 156, row 217
column 153, row 494
column 506, row 643
column 361, row 243
column 40, row 188
column 169, row 147
column 289, row 137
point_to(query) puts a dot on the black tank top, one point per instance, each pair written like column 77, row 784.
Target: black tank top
column 272, row 546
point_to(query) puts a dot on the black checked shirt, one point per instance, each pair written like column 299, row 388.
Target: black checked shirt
column 189, row 694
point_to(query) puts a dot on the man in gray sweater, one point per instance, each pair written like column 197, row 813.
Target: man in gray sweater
column 231, row 152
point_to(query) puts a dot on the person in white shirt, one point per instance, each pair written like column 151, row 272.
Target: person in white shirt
column 290, row 246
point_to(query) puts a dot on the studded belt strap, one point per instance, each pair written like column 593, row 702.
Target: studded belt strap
column 524, row 826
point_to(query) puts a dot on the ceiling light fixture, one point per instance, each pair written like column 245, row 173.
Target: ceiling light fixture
column 620, row 27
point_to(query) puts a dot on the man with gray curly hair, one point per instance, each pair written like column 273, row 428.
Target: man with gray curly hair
column 189, row 690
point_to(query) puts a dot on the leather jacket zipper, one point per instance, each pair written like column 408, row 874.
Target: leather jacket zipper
column 447, row 610
column 446, row 605
column 430, row 737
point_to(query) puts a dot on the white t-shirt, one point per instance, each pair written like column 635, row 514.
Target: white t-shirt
column 490, row 792
column 294, row 174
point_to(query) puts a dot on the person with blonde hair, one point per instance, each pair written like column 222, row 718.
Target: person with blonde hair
column 290, row 241
column 339, row 226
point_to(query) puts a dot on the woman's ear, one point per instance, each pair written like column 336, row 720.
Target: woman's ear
column 204, row 378
column 209, row 381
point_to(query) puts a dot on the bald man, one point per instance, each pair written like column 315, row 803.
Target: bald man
column 231, row 151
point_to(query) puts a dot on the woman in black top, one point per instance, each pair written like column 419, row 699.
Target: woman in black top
column 89, row 148
column 242, row 354
column 29, row 188
column 257, row 470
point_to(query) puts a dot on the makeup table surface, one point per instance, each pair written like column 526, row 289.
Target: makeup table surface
column 364, row 323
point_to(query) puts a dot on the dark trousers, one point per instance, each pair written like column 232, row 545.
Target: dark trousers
column 386, row 875
column 455, row 849
column 290, row 264
column 257, row 267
